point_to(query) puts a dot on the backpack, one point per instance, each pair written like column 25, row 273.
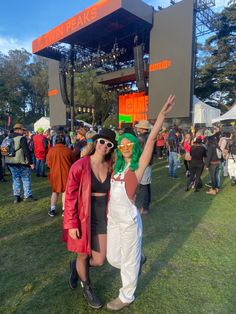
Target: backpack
column 8, row 147
column 232, row 148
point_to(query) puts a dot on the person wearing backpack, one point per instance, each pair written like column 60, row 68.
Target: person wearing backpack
column 232, row 158
column 20, row 165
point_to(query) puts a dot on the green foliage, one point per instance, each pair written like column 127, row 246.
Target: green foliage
column 111, row 120
column 23, row 87
column 90, row 93
column 216, row 72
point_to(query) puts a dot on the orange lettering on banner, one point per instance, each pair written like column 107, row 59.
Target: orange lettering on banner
column 162, row 65
column 75, row 23
column 53, row 92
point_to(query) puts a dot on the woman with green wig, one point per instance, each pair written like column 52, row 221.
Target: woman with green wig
column 124, row 231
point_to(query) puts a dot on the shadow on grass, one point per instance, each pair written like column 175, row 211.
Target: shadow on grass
column 174, row 215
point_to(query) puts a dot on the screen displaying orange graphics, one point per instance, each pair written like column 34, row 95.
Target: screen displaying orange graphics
column 133, row 107
column 162, row 65
column 53, row 92
column 79, row 21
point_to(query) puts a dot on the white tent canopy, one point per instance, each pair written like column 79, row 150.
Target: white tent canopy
column 203, row 113
column 229, row 115
column 43, row 122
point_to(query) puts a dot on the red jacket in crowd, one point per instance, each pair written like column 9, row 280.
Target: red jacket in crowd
column 40, row 146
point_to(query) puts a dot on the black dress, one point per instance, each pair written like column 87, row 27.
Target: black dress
column 99, row 205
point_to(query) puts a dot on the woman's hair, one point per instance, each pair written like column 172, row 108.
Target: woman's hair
column 60, row 139
column 136, row 153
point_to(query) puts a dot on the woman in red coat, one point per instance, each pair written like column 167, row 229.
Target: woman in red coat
column 59, row 160
column 85, row 222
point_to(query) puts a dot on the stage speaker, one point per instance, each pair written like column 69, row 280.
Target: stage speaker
column 139, row 67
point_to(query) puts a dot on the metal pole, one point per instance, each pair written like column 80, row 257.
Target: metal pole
column 72, row 88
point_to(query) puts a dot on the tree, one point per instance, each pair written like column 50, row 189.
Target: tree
column 216, row 76
column 23, row 87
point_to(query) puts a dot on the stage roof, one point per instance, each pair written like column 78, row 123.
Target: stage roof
column 99, row 26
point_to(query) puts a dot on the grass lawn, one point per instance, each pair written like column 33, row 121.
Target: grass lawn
column 189, row 239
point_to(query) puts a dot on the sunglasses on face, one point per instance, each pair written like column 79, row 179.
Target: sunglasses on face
column 103, row 142
column 122, row 147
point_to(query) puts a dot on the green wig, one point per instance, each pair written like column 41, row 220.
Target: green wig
column 136, row 153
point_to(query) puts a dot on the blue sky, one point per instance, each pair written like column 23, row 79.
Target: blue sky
column 21, row 21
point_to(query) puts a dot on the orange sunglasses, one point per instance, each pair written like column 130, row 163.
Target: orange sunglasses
column 122, row 147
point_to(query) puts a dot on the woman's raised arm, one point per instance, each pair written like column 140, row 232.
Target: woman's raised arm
column 148, row 149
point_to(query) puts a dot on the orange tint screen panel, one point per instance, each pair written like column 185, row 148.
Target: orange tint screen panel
column 135, row 105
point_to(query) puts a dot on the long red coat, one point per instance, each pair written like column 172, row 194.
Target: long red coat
column 59, row 160
column 77, row 206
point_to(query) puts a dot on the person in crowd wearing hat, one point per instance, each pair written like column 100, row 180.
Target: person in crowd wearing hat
column 20, row 165
column 40, row 152
column 59, row 159
column 196, row 164
column 85, row 217
column 142, row 129
column 124, row 231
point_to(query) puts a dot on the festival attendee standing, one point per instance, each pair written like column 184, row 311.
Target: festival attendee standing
column 160, row 144
column 187, row 157
column 40, row 152
column 173, row 148
column 196, row 165
column 20, row 165
column 124, row 222
column 59, row 159
column 143, row 128
column 85, row 220
column 232, row 158
column 212, row 163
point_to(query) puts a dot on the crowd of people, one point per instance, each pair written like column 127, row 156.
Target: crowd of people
column 98, row 173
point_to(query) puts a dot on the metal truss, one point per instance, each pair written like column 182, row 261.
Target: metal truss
column 206, row 20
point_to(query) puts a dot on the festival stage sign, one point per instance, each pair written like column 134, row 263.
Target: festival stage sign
column 89, row 16
column 172, row 59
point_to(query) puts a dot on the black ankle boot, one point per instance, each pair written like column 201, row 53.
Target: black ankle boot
column 90, row 295
column 73, row 279
column 17, row 200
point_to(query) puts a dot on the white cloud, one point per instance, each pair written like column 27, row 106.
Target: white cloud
column 8, row 43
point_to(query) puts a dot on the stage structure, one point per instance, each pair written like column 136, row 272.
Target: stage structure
column 127, row 43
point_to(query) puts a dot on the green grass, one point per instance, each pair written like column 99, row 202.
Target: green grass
column 189, row 240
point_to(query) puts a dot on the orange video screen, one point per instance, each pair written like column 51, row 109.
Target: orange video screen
column 133, row 107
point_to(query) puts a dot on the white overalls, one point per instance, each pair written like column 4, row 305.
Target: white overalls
column 124, row 238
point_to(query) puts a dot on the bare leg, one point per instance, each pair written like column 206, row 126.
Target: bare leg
column 54, row 199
